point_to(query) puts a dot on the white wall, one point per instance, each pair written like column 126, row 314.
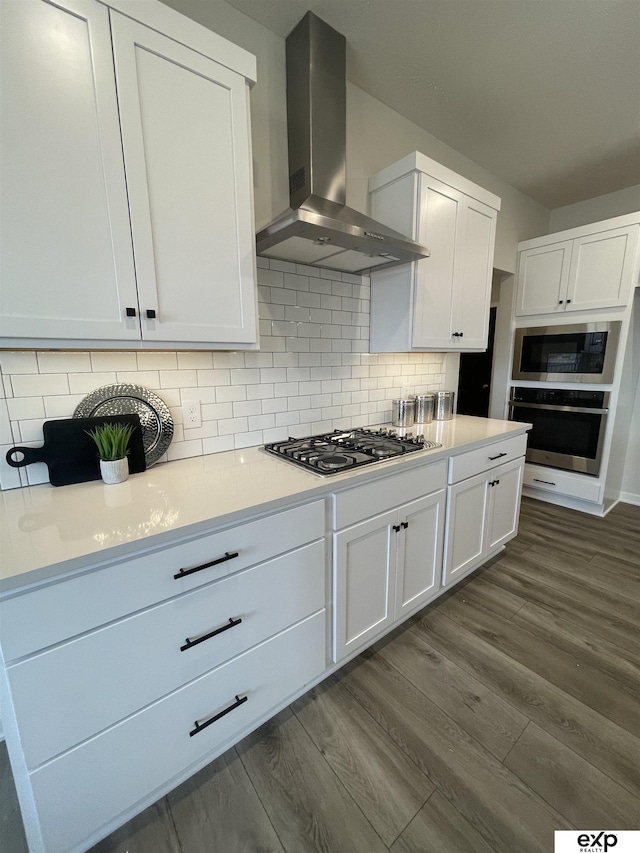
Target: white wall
column 376, row 136
column 595, row 209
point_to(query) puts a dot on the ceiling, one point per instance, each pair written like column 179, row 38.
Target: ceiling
column 543, row 93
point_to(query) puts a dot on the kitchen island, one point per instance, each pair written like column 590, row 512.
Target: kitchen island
column 135, row 610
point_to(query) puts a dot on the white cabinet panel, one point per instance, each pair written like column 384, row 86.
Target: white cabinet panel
column 440, row 229
column 473, row 297
column 592, row 271
column 420, row 545
column 83, row 698
column 466, row 521
column 441, row 302
column 388, row 566
column 89, row 258
column 127, row 762
column 543, row 274
column 601, row 269
column 482, row 514
column 504, row 509
column 67, row 264
column 186, row 144
column 364, row 567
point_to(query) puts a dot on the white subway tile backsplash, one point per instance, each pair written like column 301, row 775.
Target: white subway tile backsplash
column 231, row 394
column 217, row 445
column 21, row 408
column 178, row 378
column 260, row 392
column 105, row 362
column 213, row 377
column 244, row 408
column 157, row 360
column 195, row 360
column 147, row 378
column 228, row 359
column 232, row 425
column 313, row 373
column 37, row 385
column 64, row 362
column 18, row 362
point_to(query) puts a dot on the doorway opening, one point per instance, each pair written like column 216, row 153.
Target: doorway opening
column 474, row 381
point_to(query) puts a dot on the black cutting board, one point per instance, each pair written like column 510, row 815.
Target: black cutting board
column 71, row 455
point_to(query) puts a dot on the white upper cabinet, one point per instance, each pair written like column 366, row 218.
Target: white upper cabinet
column 442, row 302
column 65, row 242
column 129, row 220
column 594, row 270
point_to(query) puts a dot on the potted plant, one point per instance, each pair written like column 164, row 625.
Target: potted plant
column 112, row 441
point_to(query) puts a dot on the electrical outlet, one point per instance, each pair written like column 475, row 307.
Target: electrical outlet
column 191, row 414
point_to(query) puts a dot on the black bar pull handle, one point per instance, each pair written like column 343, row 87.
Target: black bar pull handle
column 227, row 556
column 189, row 643
column 396, row 527
column 198, row 727
column 499, row 456
column 405, row 524
column 546, row 482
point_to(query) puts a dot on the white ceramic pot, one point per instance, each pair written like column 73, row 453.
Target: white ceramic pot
column 114, row 470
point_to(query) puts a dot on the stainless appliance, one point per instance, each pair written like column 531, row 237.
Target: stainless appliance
column 319, row 229
column 341, row 450
column 581, row 352
column 568, row 426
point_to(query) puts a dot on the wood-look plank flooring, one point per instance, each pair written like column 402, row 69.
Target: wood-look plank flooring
column 505, row 710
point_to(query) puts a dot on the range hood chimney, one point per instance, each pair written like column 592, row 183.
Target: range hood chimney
column 319, row 229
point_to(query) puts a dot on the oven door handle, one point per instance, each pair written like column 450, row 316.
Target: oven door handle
column 513, row 404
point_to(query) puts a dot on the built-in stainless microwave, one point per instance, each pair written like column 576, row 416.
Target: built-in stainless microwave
column 581, row 352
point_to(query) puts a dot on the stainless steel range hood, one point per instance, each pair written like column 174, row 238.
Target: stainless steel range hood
column 319, row 229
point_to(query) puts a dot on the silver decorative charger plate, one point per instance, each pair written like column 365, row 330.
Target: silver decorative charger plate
column 155, row 417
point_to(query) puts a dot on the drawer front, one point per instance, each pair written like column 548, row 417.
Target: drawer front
column 51, row 614
column 353, row 505
column 100, row 678
column 556, row 482
column 485, row 458
column 92, row 785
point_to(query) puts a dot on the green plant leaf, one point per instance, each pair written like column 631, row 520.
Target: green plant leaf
column 112, row 440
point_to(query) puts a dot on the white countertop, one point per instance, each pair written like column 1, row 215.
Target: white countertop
column 47, row 531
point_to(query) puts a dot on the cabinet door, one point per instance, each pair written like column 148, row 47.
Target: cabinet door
column 364, row 568
column 419, row 565
column 473, row 284
column 601, row 269
column 440, row 228
column 505, row 489
column 65, row 241
column 466, row 525
column 543, row 276
column 187, row 155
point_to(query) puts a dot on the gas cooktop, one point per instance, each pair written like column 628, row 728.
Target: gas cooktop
column 342, row 450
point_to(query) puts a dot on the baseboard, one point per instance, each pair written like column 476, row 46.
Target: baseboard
column 630, row 498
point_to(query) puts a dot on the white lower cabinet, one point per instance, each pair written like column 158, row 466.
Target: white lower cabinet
column 386, row 567
column 194, row 647
column 482, row 514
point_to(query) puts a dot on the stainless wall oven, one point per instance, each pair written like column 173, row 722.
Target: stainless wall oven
column 568, row 426
column 581, row 352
